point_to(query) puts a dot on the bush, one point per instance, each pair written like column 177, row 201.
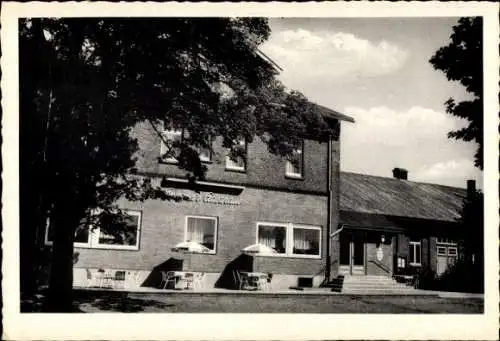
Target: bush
column 462, row 276
column 425, row 279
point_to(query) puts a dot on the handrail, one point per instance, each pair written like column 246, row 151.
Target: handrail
column 380, row 265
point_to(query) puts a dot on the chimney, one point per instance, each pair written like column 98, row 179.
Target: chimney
column 400, row 173
column 471, row 188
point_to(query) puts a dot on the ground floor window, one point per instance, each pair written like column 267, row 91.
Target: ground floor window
column 113, row 231
column 415, row 253
column 202, row 230
column 120, row 231
column 290, row 239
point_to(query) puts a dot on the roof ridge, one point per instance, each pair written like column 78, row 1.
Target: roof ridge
column 394, row 179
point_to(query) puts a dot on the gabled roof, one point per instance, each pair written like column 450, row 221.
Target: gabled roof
column 402, row 198
column 330, row 113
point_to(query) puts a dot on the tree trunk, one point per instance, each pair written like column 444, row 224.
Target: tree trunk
column 59, row 297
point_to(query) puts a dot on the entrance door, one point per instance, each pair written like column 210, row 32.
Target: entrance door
column 352, row 255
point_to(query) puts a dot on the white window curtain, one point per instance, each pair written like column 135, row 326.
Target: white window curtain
column 273, row 236
column 267, row 238
column 302, row 239
column 197, row 229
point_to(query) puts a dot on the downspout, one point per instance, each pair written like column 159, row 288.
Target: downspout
column 330, row 234
column 329, row 215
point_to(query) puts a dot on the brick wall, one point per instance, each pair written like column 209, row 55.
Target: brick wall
column 163, row 225
column 263, row 168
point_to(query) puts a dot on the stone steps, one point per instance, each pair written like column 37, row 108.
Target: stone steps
column 368, row 285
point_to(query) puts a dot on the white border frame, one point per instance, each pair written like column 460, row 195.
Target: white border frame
column 162, row 326
column 216, row 232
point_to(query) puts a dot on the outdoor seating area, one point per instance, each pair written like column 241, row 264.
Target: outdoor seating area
column 103, row 278
column 252, row 280
column 181, row 280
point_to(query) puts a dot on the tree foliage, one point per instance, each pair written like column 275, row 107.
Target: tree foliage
column 85, row 83
column 462, row 60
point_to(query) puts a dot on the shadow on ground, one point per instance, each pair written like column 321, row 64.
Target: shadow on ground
column 116, row 302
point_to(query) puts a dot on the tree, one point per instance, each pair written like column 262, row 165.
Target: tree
column 462, row 60
column 94, row 79
column 472, row 227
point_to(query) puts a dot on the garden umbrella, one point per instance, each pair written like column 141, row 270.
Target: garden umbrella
column 258, row 249
column 190, row 247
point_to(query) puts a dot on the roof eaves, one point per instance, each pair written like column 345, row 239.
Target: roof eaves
column 330, row 113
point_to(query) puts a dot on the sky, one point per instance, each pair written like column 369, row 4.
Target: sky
column 377, row 71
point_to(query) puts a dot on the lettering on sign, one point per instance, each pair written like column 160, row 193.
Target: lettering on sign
column 210, row 198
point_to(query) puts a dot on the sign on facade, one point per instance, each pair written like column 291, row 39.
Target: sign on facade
column 205, row 197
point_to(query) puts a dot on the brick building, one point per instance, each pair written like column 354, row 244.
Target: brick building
column 321, row 222
column 262, row 198
column 392, row 225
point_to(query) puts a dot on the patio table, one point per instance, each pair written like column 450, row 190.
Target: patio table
column 256, row 280
column 105, row 279
column 180, row 277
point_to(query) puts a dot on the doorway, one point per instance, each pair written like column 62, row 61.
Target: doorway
column 352, row 255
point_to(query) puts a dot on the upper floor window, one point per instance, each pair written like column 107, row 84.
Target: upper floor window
column 415, row 253
column 202, row 230
column 446, row 241
column 168, row 150
column 168, row 140
column 205, row 154
column 295, row 163
column 115, row 232
column 238, row 162
column 291, row 240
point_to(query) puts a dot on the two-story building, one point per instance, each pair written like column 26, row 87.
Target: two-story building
column 320, row 222
column 262, row 198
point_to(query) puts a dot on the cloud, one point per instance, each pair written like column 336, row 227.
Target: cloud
column 447, row 171
column 415, row 138
column 332, row 54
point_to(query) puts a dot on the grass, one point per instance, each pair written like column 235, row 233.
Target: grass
column 223, row 303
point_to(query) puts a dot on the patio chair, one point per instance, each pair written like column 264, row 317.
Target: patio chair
column 119, row 280
column 240, row 280
column 265, row 282
column 166, row 278
column 89, row 278
column 198, row 279
column 188, row 279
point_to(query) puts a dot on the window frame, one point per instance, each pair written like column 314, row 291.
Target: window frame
column 296, row 176
column 209, row 158
column 182, row 133
column 216, row 230
column 412, row 250
column 97, row 233
column 275, row 224
column 171, row 160
column 289, row 228
column 233, row 168
column 306, row 227
column 93, row 236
